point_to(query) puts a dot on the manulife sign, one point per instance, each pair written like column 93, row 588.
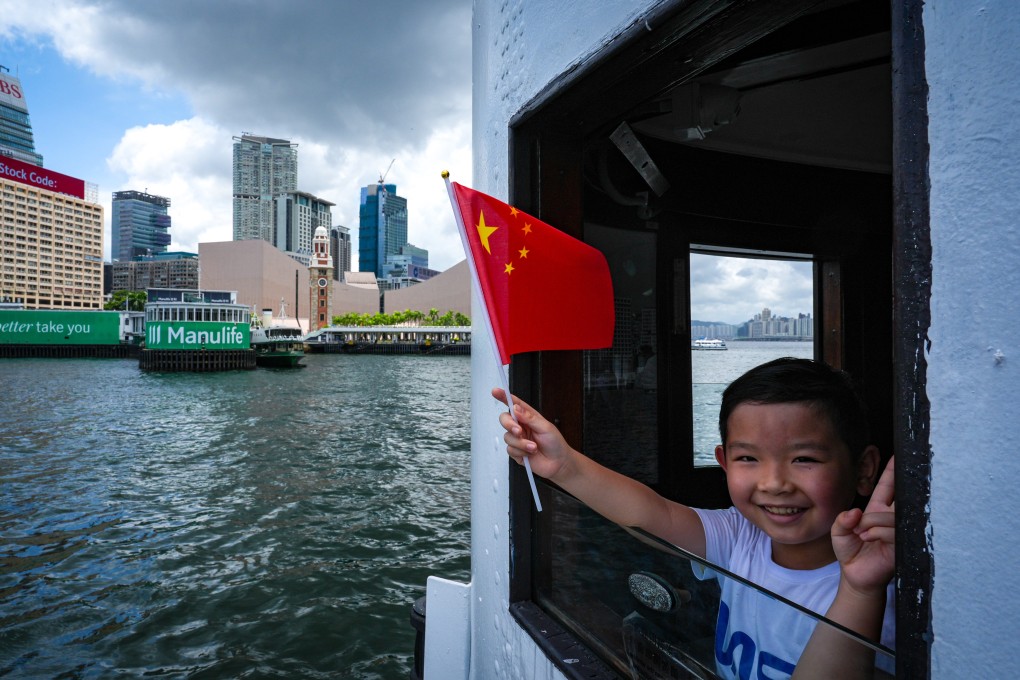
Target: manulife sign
column 196, row 335
column 55, row 327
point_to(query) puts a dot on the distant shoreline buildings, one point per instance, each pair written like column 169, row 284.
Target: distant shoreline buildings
column 52, row 237
column 762, row 326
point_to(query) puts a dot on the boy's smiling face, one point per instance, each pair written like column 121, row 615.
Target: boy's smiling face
column 790, row 475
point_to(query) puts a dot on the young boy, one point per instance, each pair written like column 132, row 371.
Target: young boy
column 796, row 454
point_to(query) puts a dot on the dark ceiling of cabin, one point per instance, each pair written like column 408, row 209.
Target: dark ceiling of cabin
column 812, row 79
column 813, row 94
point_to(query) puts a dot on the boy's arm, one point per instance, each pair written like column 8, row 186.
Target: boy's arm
column 616, row 497
column 865, row 547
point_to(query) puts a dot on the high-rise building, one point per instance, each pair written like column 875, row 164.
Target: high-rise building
column 166, row 270
column 15, row 127
column 383, row 226
column 298, row 215
column 408, row 267
column 139, row 225
column 264, row 169
column 340, row 246
column 51, row 239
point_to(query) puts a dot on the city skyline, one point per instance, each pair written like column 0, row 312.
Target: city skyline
column 724, row 289
column 163, row 120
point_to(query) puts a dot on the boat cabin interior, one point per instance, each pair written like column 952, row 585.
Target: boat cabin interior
column 746, row 130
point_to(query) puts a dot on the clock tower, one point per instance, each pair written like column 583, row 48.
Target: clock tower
column 320, row 280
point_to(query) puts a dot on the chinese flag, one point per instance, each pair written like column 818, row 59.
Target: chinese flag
column 543, row 289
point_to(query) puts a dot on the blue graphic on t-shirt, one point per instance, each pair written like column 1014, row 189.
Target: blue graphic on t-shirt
column 741, row 644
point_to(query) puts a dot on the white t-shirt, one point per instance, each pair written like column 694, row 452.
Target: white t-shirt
column 758, row 637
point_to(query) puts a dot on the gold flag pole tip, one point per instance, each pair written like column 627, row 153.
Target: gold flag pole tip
column 446, row 174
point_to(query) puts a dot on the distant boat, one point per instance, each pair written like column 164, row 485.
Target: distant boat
column 708, row 343
column 277, row 344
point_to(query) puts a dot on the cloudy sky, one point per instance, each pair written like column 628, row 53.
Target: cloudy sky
column 148, row 96
column 734, row 289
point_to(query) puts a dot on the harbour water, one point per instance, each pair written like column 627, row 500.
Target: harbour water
column 268, row 523
column 713, row 370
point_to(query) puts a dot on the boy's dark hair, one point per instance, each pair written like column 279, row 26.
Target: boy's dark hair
column 789, row 380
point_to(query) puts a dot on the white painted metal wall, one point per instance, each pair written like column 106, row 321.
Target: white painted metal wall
column 972, row 64
column 519, row 47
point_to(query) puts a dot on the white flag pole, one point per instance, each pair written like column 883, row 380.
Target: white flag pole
column 503, row 368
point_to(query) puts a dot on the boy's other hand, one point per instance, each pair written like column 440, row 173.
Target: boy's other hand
column 865, row 542
column 534, row 437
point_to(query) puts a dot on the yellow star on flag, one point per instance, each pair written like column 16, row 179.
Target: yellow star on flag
column 526, row 228
column 513, row 211
column 509, row 268
column 524, row 253
column 484, row 231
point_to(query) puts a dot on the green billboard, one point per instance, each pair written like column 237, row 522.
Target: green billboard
column 196, row 335
column 57, row 327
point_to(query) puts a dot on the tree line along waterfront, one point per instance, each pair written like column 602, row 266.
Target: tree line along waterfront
column 134, row 300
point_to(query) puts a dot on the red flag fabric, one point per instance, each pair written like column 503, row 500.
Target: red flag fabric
column 544, row 290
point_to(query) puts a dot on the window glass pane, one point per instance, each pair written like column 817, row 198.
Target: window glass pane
column 744, row 312
column 620, row 382
column 652, row 610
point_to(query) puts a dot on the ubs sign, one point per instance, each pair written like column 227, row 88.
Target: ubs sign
column 11, row 93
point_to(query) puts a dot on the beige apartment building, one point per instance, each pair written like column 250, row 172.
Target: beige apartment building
column 51, row 243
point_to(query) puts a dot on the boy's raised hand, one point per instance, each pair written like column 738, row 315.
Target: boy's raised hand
column 534, row 437
column 865, row 542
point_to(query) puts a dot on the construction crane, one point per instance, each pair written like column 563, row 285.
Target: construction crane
column 382, row 177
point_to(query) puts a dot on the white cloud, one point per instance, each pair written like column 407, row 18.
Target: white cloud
column 185, row 163
column 734, row 289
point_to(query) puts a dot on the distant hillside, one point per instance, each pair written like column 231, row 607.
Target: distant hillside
column 712, row 323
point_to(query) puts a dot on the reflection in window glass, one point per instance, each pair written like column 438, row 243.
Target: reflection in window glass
column 744, row 312
column 621, row 412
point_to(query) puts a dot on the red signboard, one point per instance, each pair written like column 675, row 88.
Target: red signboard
column 42, row 178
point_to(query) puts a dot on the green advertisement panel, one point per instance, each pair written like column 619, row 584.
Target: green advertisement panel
column 196, row 335
column 54, row 327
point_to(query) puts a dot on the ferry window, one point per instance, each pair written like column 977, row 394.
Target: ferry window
column 794, row 182
column 744, row 312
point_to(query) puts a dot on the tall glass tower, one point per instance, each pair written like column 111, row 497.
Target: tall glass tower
column 382, row 229
column 264, row 169
column 15, row 128
column 138, row 225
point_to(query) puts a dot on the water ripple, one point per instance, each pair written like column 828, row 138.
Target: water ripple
column 247, row 524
